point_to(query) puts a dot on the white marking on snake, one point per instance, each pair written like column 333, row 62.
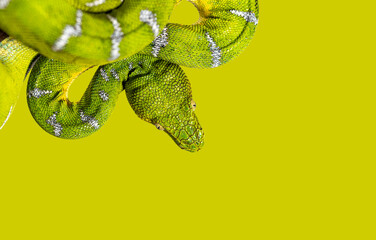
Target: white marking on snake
column 150, row 19
column 130, row 66
column 248, row 16
column 216, row 51
column 115, row 74
column 95, row 3
column 104, row 75
column 103, row 95
column 37, row 93
column 68, row 32
column 90, row 120
column 116, row 38
column 4, row 4
column 160, row 42
column 10, row 111
column 53, row 122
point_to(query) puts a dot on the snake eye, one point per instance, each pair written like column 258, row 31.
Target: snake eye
column 193, row 104
column 159, row 127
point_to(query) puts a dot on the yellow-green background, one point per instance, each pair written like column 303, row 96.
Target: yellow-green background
column 289, row 153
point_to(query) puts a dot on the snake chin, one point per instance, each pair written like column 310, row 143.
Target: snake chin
column 192, row 144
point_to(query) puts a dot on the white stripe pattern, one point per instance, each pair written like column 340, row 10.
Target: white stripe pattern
column 3, row 5
column 68, row 32
column 90, row 120
column 103, row 95
column 116, row 38
column 115, row 74
column 104, row 75
column 37, row 93
column 160, row 42
column 10, row 111
column 57, row 126
column 95, row 3
column 148, row 17
column 248, row 16
column 216, row 51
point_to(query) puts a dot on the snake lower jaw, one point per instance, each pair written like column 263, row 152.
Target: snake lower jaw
column 193, row 150
column 195, row 147
column 192, row 144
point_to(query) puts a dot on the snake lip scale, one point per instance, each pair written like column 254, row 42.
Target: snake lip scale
column 136, row 50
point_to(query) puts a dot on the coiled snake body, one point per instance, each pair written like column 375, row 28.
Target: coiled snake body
column 137, row 49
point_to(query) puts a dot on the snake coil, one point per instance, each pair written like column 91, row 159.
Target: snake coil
column 136, row 49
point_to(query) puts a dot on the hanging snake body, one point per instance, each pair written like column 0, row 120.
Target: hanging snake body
column 137, row 50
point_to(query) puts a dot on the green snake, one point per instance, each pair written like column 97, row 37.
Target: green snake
column 136, row 49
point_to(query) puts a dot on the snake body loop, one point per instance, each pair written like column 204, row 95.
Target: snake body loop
column 14, row 63
column 96, row 6
column 59, row 30
column 137, row 49
column 223, row 31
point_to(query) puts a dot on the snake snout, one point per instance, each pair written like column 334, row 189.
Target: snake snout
column 191, row 143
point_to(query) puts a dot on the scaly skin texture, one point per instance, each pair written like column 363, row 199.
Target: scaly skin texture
column 223, row 31
column 96, row 6
column 139, row 51
column 158, row 91
column 59, row 30
column 14, row 62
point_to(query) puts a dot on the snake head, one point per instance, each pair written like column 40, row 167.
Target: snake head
column 181, row 124
column 159, row 92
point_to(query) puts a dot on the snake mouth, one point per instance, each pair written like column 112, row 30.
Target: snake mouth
column 184, row 129
column 193, row 144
